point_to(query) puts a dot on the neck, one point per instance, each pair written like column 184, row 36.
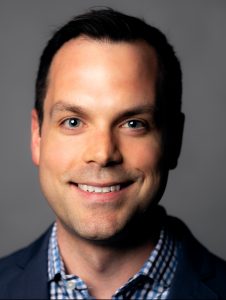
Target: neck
column 98, row 263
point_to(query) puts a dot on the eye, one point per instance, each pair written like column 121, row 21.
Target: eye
column 71, row 123
column 134, row 124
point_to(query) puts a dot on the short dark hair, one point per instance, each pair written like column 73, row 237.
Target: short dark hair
column 110, row 25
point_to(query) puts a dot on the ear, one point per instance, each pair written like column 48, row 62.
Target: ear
column 35, row 137
column 174, row 141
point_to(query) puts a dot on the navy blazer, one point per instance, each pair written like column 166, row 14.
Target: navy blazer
column 199, row 275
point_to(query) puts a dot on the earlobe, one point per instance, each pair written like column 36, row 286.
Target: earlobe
column 35, row 137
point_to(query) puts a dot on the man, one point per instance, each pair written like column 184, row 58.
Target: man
column 106, row 130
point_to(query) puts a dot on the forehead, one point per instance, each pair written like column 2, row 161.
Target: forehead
column 84, row 51
column 98, row 70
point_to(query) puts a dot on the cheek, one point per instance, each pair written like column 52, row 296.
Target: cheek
column 59, row 154
column 144, row 155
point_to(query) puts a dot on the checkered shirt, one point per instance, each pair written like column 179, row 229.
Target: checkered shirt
column 153, row 281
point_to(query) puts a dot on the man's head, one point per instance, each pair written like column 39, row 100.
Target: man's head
column 107, row 114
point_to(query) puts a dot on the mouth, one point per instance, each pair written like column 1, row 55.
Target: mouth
column 102, row 189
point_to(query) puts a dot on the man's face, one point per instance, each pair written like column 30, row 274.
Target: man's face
column 99, row 151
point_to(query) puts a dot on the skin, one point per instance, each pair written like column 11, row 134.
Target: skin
column 99, row 130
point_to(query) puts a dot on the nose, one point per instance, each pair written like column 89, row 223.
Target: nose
column 103, row 149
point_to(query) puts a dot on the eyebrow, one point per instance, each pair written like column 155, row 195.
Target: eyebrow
column 65, row 107
column 136, row 110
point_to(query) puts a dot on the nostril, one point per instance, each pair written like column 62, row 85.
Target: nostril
column 103, row 149
column 112, row 163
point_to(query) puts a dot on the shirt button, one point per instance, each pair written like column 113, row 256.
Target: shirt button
column 70, row 285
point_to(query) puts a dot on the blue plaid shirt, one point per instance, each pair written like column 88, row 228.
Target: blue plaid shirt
column 153, row 281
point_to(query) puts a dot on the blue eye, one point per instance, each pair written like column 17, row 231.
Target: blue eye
column 72, row 123
column 134, row 124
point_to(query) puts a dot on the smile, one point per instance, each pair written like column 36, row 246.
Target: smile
column 97, row 189
column 102, row 188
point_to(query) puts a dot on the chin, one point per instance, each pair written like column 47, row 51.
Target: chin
column 91, row 230
column 99, row 232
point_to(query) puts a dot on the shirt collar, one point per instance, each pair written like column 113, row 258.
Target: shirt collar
column 161, row 264
column 55, row 263
column 159, row 268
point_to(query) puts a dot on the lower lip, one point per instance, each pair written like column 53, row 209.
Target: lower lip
column 101, row 197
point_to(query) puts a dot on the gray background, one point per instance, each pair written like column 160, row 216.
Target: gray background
column 196, row 189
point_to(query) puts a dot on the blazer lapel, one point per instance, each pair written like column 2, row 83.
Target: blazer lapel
column 32, row 282
column 188, row 284
column 194, row 269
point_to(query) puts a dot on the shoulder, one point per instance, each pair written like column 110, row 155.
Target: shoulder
column 11, row 265
column 191, row 247
column 197, row 266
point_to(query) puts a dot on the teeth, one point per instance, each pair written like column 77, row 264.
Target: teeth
column 97, row 189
